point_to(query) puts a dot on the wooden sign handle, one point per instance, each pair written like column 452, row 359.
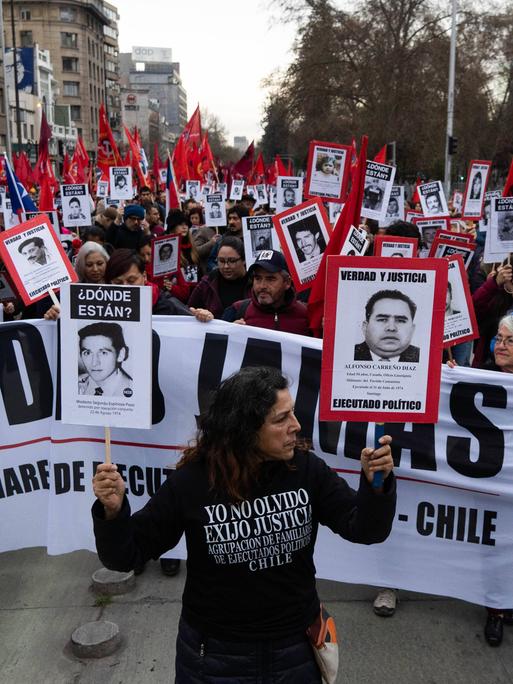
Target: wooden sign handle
column 107, row 445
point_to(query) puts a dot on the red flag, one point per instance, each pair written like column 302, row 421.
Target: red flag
column 270, row 174
column 43, row 167
column 108, row 153
column 192, row 131
column 415, row 199
column 381, row 156
column 258, row 173
column 290, row 170
column 67, row 175
column 156, row 167
column 140, row 162
column 508, row 185
column 206, row 157
column 350, row 216
column 245, row 163
column 354, row 153
column 46, row 202
column 281, row 169
column 179, row 159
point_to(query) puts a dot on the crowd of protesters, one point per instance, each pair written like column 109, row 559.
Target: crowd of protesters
column 213, row 282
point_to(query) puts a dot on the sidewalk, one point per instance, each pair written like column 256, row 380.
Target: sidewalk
column 44, row 598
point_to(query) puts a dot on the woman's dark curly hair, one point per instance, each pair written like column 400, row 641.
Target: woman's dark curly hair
column 228, row 436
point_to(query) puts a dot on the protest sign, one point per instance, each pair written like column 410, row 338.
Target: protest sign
column 52, row 216
column 428, row 230
column 378, row 183
column 303, row 232
column 334, row 211
column 455, row 508
column 206, row 189
column 237, row 190
column 450, row 235
column 457, row 201
column 76, row 205
column 327, row 171
column 289, row 192
column 259, row 235
column 120, row 178
column 477, row 180
column 7, row 292
column 411, row 215
column 35, row 259
column 193, row 190
column 261, row 193
column 106, row 355
column 272, row 197
column 395, row 208
column 484, row 223
column 215, row 210
column 501, row 225
column 383, row 332
column 10, row 218
column 165, row 255
column 356, row 242
column 223, row 189
column 102, row 189
column 444, row 248
column 392, row 246
column 432, row 199
column 162, row 176
column 460, row 324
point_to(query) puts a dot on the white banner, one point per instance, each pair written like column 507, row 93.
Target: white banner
column 452, row 532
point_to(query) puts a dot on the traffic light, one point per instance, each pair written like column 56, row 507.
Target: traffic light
column 453, row 144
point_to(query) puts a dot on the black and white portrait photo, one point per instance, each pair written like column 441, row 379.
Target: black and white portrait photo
column 120, row 178
column 259, row 235
column 103, row 358
column 395, row 209
column 76, row 205
column 237, row 189
column 165, row 255
column 477, row 181
column 215, row 210
column 289, row 192
column 378, row 184
column 460, row 324
column 432, row 199
column 327, row 167
column 193, row 190
column 501, row 225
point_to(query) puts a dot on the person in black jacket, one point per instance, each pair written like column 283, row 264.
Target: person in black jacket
column 249, row 499
column 130, row 233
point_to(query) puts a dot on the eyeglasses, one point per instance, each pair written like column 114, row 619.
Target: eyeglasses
column 228, row 262
column 506, row 341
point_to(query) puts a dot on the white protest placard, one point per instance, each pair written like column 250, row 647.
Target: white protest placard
column 477, row 180
column 432, row 199
column 460, row 324
column 10, row 217
column 165, row 252
column 395, row 208
column 484, row 223
column 272, row 197
column 52, row 216
column 428, row 229
column 215, row 210
column 102, row 189
column 162, row 176
column 120, row 178
column 261, row 193
column 443, row 248
column 327, row 171
column 378, row 183
column 76, row 205
column 35, row 259
column 356, row 242
column 394, row 246
column 106, row 351
column 383, row 330
column 259, row 235
column 237, row 189
column 334, row 211
column 289, row 192
column 223, row 189
column 193, row 190
column 457, row 201
column 304, row 232
column 501, row 225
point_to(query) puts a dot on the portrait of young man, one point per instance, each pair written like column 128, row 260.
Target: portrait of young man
column 388, row 329
column 102, row 351
column 34, row 251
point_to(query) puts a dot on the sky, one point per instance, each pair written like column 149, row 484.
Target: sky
column 225, row 50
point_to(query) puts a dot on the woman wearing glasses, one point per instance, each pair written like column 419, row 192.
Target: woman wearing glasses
column 226, row 284
column 492, row 301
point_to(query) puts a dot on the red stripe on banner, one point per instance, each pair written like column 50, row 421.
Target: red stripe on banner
column 96, row 440
column 413, row 479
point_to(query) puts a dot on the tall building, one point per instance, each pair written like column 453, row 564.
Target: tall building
column 81, row 37
column 152, row 70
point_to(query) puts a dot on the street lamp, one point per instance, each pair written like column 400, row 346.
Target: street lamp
column 451, row 141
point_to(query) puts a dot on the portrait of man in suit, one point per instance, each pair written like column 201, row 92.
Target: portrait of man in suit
column 388, row 328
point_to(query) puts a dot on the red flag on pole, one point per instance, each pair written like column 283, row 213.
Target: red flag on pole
column 258, row 173
column 350, row 216
column 156, row 167
column 192, row 131
column 179, row 160
column 206, row 157
column 46, row 202
column 138, row 157
column 415, row 199
column 245, row 163
column 43, row 167
column 381, row 156
column 281, row 169
column 108, row 153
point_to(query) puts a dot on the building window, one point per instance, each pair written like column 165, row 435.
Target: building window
column 75, row 112
column 2, row 103
column 32, row 136
column 70, row 64
column 24, row 14
column 68, row 14
column 26, row 39
column 69, row 40
column 71, row 88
